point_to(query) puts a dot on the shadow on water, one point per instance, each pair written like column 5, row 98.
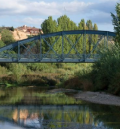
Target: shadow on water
column 39, row 108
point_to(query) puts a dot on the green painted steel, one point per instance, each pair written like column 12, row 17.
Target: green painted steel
column 32, row 49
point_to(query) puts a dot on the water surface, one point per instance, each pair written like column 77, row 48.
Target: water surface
column 38, row 108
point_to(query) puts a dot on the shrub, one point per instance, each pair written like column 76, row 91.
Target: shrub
column 7, row 37
column 37, row 66
column 106, row 71
column 3, row 70
column 18, row 70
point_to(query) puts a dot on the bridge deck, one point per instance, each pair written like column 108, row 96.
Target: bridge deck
column 47, row 60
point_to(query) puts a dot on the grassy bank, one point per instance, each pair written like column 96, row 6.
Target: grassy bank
column 45, row 74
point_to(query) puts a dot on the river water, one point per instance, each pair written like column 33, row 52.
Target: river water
column 38, row 108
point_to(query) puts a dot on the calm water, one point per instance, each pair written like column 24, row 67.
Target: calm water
column 36, row 108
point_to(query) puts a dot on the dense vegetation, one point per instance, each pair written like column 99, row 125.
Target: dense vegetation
column 103, row 75
column 116, row 22
column 64, row 23
column 6, row 36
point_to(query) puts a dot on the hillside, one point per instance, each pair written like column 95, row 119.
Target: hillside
column 19, row 35
column 21, row 32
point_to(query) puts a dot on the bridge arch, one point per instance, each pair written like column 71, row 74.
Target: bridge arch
column 83, row 49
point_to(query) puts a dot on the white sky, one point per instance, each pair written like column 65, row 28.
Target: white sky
column 33, row 12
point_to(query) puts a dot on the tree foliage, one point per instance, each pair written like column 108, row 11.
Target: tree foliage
column 116, row 22
column 2, row 44
column 63, row 23
column 7, row 37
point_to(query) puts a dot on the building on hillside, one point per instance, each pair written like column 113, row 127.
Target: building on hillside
column 30, row 30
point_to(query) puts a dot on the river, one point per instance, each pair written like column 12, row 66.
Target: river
column 38, row 108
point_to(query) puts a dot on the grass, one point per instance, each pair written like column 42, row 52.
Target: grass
column 52, row 75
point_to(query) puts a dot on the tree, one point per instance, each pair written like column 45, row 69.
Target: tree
column 81, row 26
column 65, row 24
column 116, row 22
column 95, row 38
column 2, row 44
column 7, row 37
column 48, row 26
column 89, row 37
column 89, row 25
column 11, row 28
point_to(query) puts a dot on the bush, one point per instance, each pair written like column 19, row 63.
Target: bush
column 106, row 71
column 3, row 70
column 2, row 44
column 7, row 37
column 18, row 70
column 37, row 66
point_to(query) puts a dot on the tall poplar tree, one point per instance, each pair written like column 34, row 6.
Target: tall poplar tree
column 116, row 22
column 48, row 26
column 89, row 25
column 95, row 38
column 81, row 26
column 89, row 37
column 66, row 24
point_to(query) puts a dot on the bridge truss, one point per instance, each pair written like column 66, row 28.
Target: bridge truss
column 65, row 46
column 50, row 117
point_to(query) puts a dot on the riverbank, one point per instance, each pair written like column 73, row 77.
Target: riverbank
column 36, row 93
column 93, row 97
column 99, row 98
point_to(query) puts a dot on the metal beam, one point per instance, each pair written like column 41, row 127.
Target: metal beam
column 70, row 42
column 50, row 48
column 6, row 54
column 95, row 46
column 72, row 32
column 74, row 45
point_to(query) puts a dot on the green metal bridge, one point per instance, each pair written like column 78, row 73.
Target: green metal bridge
column 41, row 48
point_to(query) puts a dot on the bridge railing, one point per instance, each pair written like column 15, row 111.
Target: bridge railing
column 50, row 56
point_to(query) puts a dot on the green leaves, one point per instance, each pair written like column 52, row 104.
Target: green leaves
column 2, row 44
column 106, row 71
column 116, row 22
column 64, row 23
column 18, row 70
column 7, row 37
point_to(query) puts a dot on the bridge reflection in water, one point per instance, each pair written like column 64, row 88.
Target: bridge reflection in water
column 59, row 47
column 49, row 117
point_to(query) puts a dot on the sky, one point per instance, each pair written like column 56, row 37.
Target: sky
column 33, row 12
